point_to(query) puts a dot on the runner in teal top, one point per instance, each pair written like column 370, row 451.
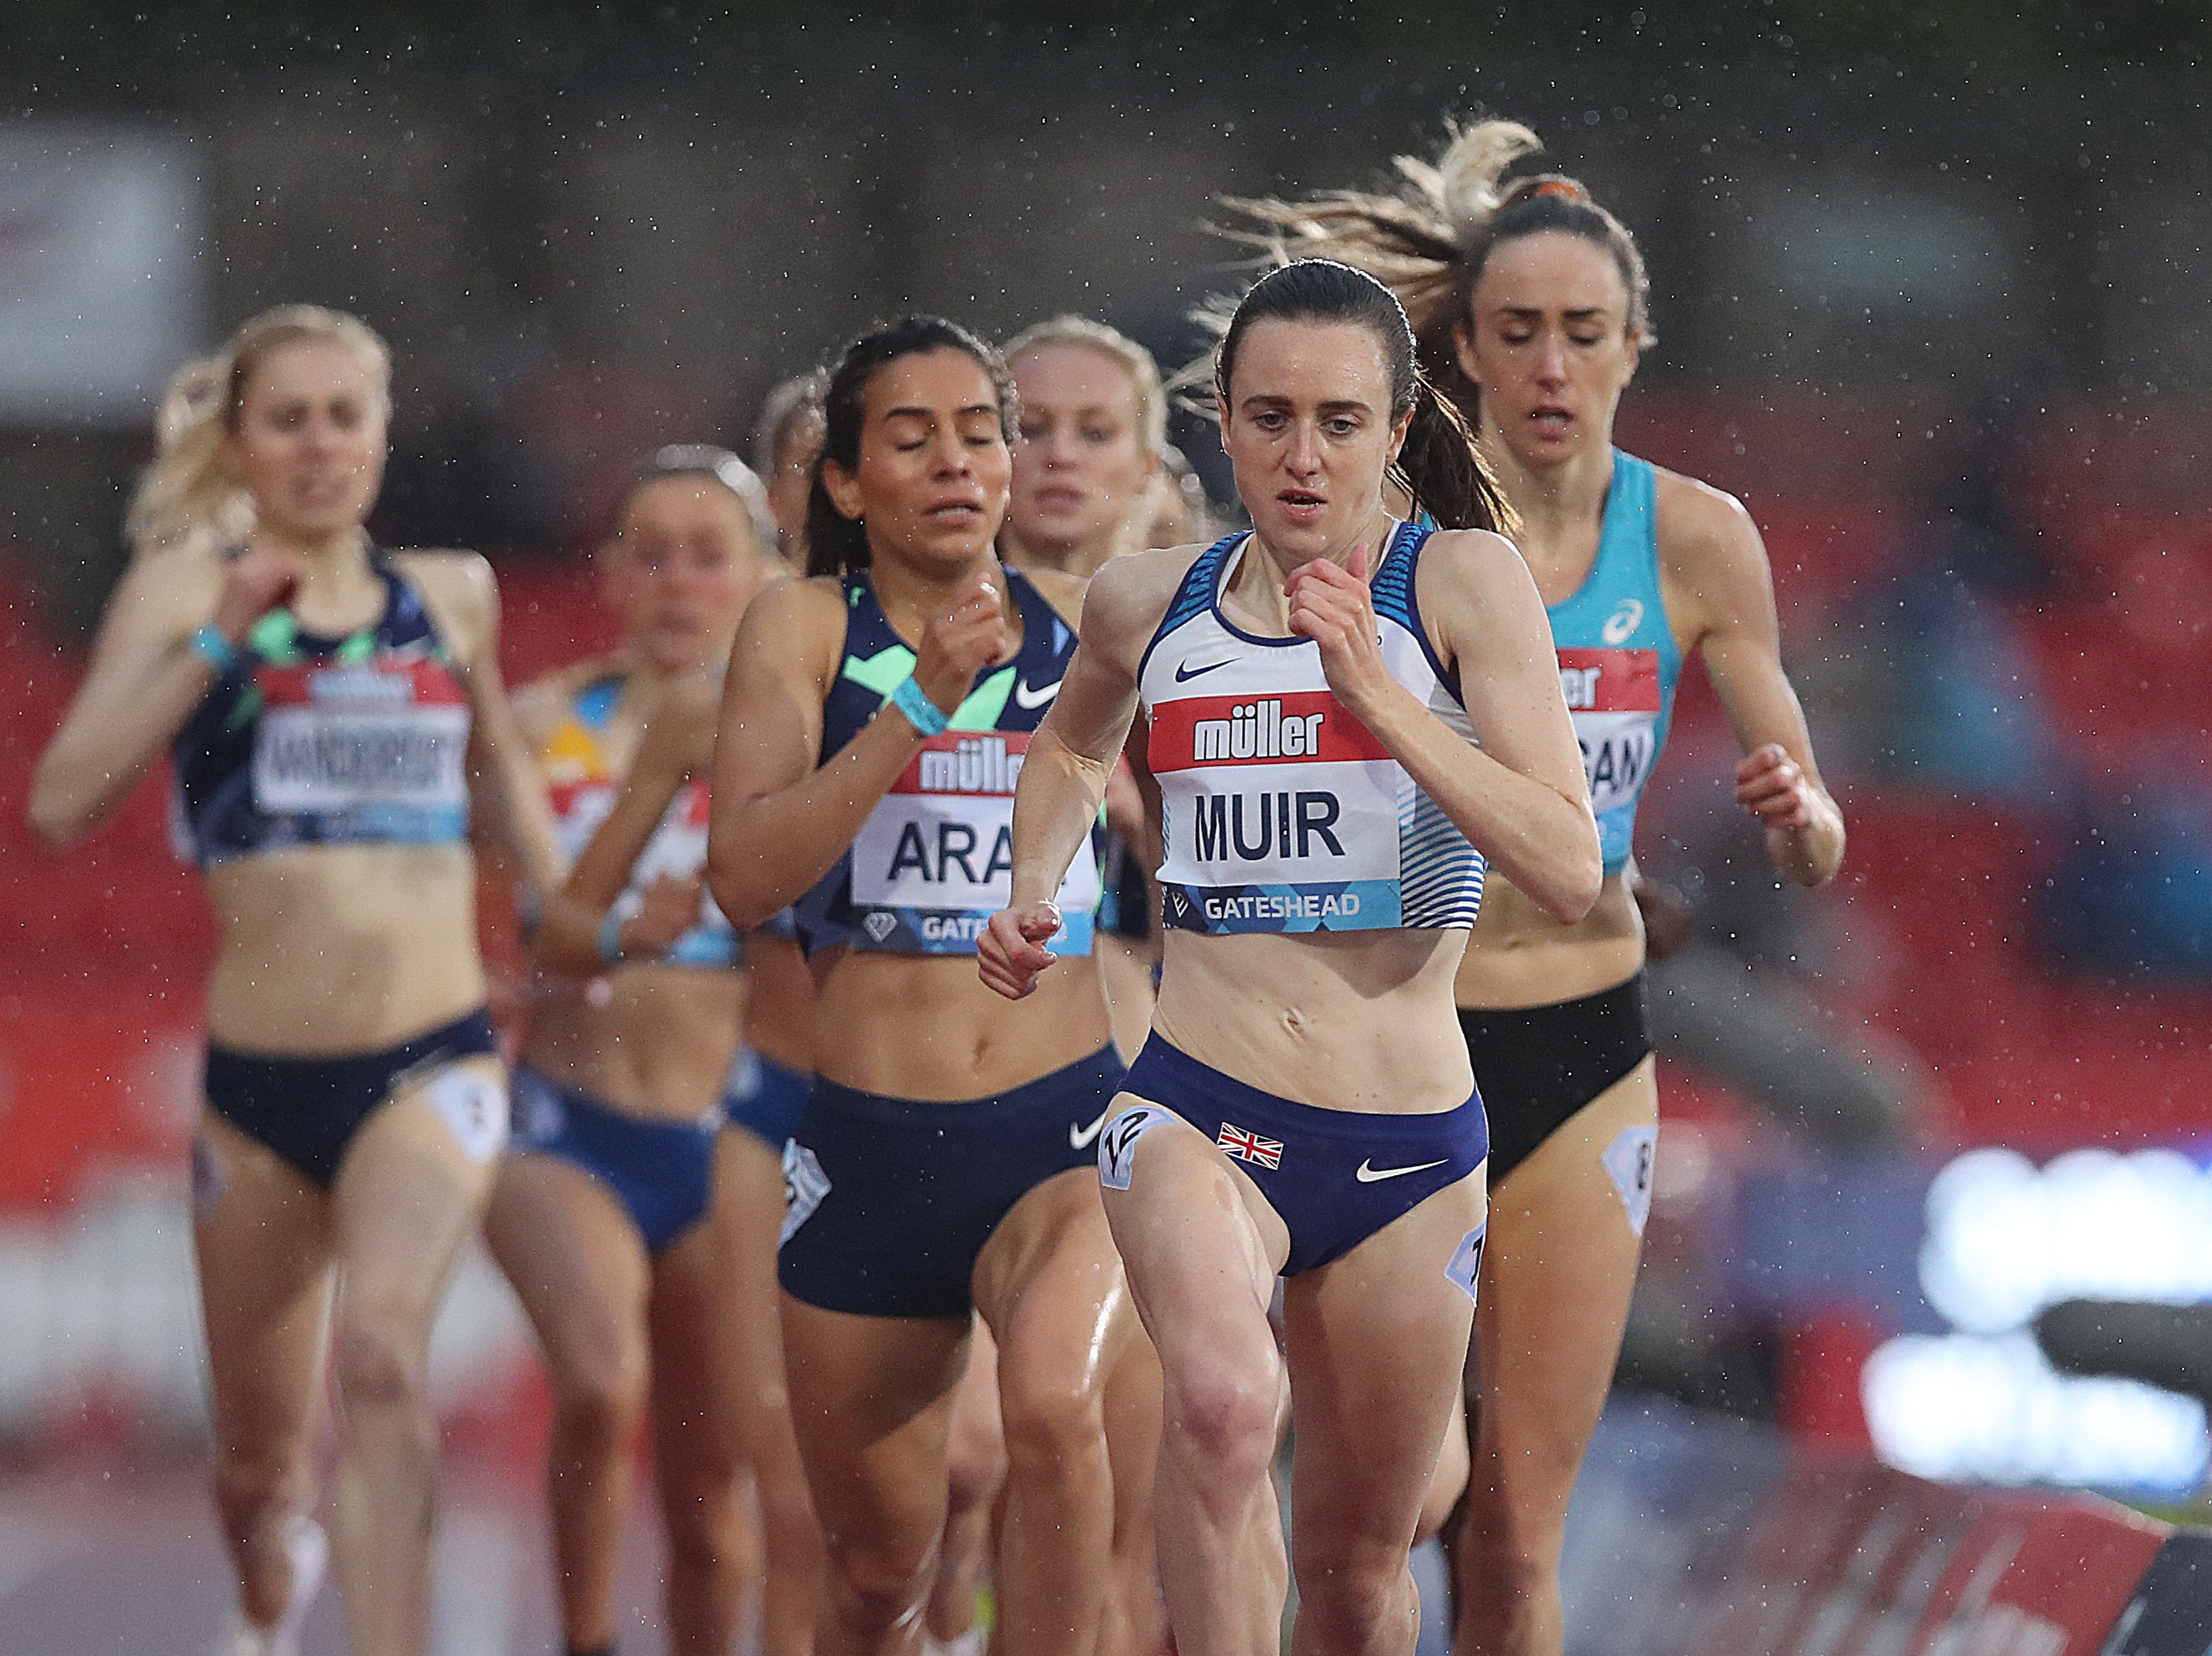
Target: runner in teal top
column 1619, row 662
column 1530, row 301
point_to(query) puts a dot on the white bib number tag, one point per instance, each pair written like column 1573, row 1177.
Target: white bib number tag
column 321, row 759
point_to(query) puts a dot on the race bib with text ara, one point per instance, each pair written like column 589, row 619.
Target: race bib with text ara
column 1285, row 815
column 934, row 861
column 375, row 752
column 1614, row 697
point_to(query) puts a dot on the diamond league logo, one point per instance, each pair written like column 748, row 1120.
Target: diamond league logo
column 880, row 924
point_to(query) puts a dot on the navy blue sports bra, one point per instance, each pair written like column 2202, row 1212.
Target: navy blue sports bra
column 306, row 740
column 934, row 861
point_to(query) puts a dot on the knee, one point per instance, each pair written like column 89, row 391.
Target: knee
column 879, row 1589
column 1226, row 1414
column 705, row 1521
column 1355, row 1591
column 249, row 1492
column 599, row 1396
column 382, row 1361
column 1053, row 1422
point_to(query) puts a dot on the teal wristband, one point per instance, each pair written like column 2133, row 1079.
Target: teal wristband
column 212, row 647
column 925, row 715
column 611, row 948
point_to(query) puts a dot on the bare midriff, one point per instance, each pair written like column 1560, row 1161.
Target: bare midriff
column 1520, row 956
column 654, row 1041
column 924, row 1027
column 1344, row 1020
column 328, row 951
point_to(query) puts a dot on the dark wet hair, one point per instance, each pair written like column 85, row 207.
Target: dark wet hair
column 835, row 543
column 1439, row 465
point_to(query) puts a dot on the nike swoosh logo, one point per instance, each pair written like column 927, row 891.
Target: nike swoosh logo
column 1078, row 1139
column 1025, row 697
column 1368, row 1174
column 1185, row 672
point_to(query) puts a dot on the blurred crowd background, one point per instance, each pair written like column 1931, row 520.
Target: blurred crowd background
column 1932, row 296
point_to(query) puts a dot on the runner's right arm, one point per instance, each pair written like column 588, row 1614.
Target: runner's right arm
column 678, row 744
column 1070, row 759
column 779, row 822
column 146, row 678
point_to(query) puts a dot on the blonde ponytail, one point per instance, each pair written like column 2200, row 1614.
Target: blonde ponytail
column 1428, row 238
column 1462, row 184
column 187, row 494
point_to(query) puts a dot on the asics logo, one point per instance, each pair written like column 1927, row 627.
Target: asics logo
column 1622, row 623
column 1025, row 697
column 1078, row 1139
column 1367, row 1173
column 1185, row 672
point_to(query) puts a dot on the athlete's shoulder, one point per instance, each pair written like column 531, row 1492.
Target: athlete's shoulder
column 799, row 617
column 1130, row 595
column 1471, row 558
column 455, row 575
column 1693, row 520
column 1140, row 578
column 544, row 701
column 461, row 594
column 1062, row 590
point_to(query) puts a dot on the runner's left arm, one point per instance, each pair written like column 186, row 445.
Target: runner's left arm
column 504, row 780
column 1712, row 542
column 1519, row 797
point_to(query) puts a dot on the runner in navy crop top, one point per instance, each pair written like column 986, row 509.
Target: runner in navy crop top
column 874, row 719
column 331, row 709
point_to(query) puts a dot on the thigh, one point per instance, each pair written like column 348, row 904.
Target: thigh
column 1049, row 1285
column 576, row 1262
column 1375, row 1343
column 698, row 1405
column 1200, row 1247
column 871, row 1402
column 1556, row 1281
column 261, row 1234
column 410, row 1192
column 747, row 1214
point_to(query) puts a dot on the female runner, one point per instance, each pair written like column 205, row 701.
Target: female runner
column 328, row 705
column 609, row 1216
column 1086, row 482
column 785, row 443
column 1347, row 716
column 1531, row 307
column 1094, row 427
column 870, row 734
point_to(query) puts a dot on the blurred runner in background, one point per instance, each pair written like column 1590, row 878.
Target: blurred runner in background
column 334, row 711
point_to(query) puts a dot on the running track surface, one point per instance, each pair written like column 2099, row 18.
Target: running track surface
column 100, row 1561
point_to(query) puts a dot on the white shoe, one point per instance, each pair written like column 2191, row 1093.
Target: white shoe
column 308, row 1550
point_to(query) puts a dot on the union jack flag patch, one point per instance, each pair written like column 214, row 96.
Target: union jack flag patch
column 1250, row 1147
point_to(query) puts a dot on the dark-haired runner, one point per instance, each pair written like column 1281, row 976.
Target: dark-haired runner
column 1348, row 716
column 875, row 720
column 1530, row 303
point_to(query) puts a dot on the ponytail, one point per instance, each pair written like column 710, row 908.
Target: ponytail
column 1440, row 467
column 1428, row 238
column 187, row 494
